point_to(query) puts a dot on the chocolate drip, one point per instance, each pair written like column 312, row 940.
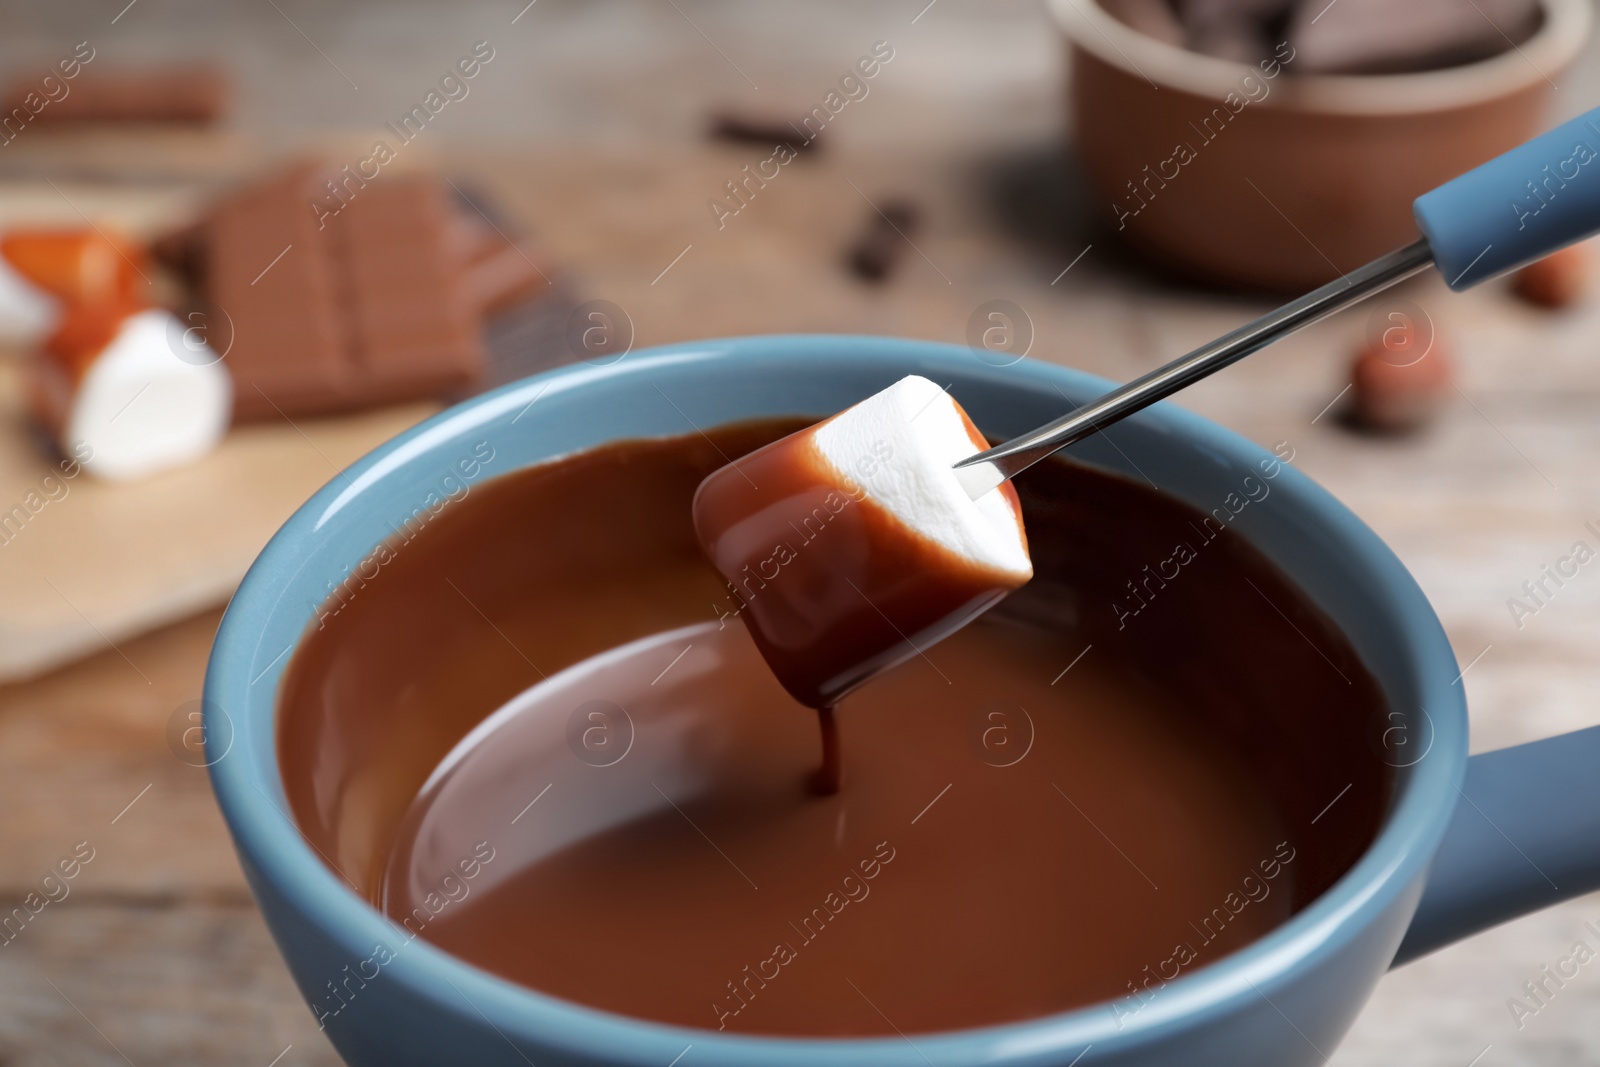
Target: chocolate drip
column 827, row 779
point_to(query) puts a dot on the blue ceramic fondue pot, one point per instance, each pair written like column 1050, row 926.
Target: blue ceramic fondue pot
column 1465, row 843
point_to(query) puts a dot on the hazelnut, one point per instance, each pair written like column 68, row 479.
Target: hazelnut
column 1399, row 382
column 1556, row 281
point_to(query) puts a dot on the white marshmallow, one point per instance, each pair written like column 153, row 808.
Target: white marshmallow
column 27, row 313
column 141, row 409
column 900, row 444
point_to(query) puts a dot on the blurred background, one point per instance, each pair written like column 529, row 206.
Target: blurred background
column 575, row 179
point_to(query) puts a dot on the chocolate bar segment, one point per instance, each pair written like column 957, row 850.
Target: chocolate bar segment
column 411, row 328
column 270, row 272
column 501, row 273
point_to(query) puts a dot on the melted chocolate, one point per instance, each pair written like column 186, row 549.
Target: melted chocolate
column 1079, row 796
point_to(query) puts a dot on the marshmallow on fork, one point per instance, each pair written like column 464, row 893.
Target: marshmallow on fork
column 851, row 546
column 109, row 385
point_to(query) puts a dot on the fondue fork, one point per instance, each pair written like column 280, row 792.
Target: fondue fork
column 1519, row 207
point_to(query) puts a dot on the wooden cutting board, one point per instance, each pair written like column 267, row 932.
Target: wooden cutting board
column 85, row 564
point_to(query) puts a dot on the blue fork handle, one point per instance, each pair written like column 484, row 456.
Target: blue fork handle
column 1519, row 207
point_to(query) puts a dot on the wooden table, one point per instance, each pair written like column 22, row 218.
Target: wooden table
column 158, row 955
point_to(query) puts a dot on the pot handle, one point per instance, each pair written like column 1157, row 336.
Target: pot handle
column 1516, row 208
column 1525, row 835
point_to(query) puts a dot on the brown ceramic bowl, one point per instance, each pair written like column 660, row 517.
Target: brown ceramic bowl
column 1299, row 178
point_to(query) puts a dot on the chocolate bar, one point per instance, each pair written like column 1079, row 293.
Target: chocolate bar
column 342, row 294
